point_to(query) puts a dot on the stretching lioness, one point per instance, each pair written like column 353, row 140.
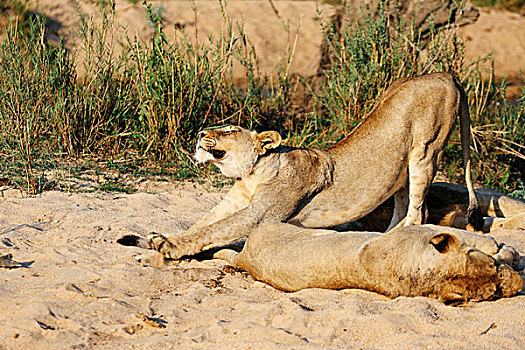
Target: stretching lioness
column 395, row 151
column 433, row 261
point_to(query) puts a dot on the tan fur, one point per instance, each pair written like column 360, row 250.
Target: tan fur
column 395, row 151
column 444, row 263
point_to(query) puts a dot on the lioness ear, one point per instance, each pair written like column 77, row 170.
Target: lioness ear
column 452, row 299
column 443, row 242
column 267, row 140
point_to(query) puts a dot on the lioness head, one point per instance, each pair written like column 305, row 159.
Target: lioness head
column 234, row 150
column 467, row 273
column 427, row 262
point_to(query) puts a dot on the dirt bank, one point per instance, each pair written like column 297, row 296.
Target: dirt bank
column 497, row 31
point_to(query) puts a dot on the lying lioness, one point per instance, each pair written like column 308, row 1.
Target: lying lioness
column 440, row 262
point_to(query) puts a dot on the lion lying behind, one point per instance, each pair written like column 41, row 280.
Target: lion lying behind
column 447, row 205
column 439, row 262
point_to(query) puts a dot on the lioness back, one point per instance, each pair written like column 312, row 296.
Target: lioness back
column 398, row 145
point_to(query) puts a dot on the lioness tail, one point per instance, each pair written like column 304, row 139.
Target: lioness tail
column 474, row 214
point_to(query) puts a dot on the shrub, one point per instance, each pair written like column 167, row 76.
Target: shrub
column 145, row 106
column 511, row 5
column 147, row 103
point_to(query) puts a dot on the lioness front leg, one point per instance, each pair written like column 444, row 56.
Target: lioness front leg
column 232, row 228
column 198, row 238
column 228, row 255
column 502, row 253
column 507, row 255
column 236, row 199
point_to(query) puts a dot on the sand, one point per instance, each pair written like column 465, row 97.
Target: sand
column 79, row 289
column 501, row 34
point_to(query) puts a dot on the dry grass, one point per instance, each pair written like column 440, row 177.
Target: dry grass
column 142, row 109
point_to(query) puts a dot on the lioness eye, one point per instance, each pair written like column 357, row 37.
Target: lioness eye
column 217, row 154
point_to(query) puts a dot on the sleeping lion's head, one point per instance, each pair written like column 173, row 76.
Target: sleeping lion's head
column 234, row 150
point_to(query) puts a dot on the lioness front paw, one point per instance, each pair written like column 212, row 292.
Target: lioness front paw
column 172, row 247
column 156, row 241
column 511, row 282
column 160, row 243
column 507, row 255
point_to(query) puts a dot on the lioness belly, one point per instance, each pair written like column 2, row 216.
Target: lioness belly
column 329, row 208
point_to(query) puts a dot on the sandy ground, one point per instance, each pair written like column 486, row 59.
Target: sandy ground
column 81, row 290
column 501, row 33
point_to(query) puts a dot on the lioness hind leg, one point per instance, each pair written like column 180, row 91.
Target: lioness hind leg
column 513, row 222
column 421, row 170
column 400, row 207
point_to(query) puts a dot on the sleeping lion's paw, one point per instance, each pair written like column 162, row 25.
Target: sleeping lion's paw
column 507, row 255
